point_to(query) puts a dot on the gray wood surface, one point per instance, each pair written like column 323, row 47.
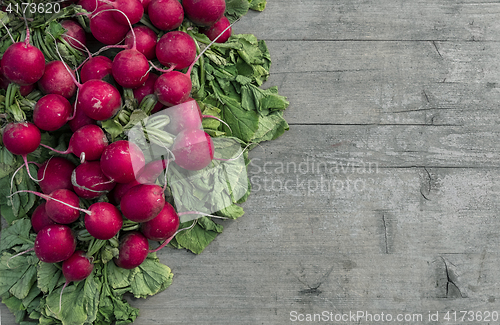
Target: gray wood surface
column 384, row 195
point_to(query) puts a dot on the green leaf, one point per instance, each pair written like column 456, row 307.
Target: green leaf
column 49, row 276
column 236, row 8
column 23, row 286
column 11, row 273
column 258, row 5
column 195, row 239
column 243, row 123
column 16, row 307
column 270, row 127
column 16, row 234
column 113, row 127
column 79, row 302
column 151, row 278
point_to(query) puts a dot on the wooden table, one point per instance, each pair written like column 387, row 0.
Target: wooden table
column 382, row 199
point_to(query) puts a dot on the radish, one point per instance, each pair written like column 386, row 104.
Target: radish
column 89, row 141
column 40, row 219
column 23, row 63
column 133, row 250
column 104, row 220
column 57, row 80
column 163, row 226
column 4, row 83
column 51, row 112
column 120, row 190
column 121, row 160
column 74, row 35
column 21, row 138
column 90, row 5
column 147, row 88
column 166, row 14
column 176, row 49
column 216, row 29
column 97, row 67
column 76, row 268
column 55, row 174
column 193, row 149
column 186, row 115
column 61, row 205
column 89, row 182
column 145, row 5
column 131, row 9
column 98, row 99
column 174, row 87
column 204, row 12
column 146, row 40
column 105, row 28
column 130, row 68
column 54, row 243
column 143, row 202
column 80, row 120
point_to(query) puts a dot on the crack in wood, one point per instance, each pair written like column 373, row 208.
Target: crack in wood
column 451, row 287
column 385, row 234
column 437, row 49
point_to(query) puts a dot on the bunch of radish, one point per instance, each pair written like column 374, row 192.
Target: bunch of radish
column 115, row 176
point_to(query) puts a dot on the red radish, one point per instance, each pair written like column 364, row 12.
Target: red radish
column 80, row 120
column 204, row 12
column 23, row 63
column 89, row 140
column 40, row 219
column 145, row 5
column 51, row 112
column 152, row 171
column 173, row 88
column 55, row 174
column 120, row 190
column 186, row 115
column 132, row 9
column 76, row 268
column 147, row 89
column 130, row 68
column 133, row 250
column 54, row 243
column 89, row 182
column 21, row 138
column 97, row 67
column 216, row 29
column 4, row 83
column 163, row 226
column 121, row 161
column 90, row 5
column 193, row 149
column 99, row 100
column 105, row 28
column 104, row 220
column 74, row 35
column 146, row 40
column 61, row 205
column 57, row 80
column 166, row 14
column 143, row 202
column 176, row 49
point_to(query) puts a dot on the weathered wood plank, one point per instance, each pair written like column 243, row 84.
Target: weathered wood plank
column 388, row 82
column 474, row 20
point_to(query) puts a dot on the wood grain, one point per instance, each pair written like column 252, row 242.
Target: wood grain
column 390, row 200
